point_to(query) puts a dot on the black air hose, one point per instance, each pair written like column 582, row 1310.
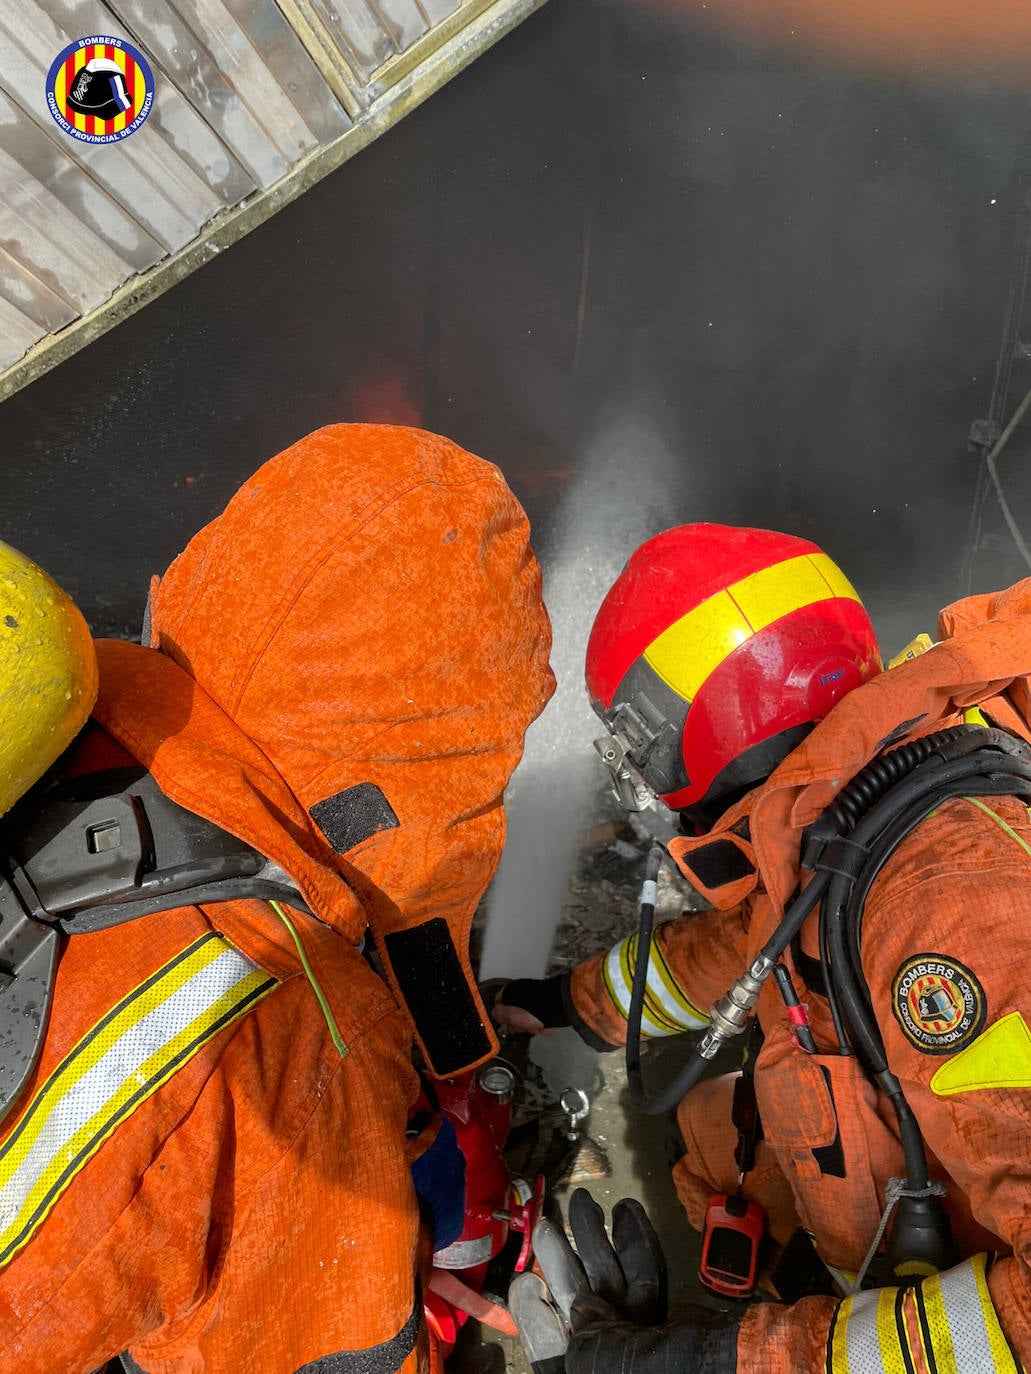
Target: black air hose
column 884, row 770
column 877, row 800
column 663, row 1101
column 998, row 765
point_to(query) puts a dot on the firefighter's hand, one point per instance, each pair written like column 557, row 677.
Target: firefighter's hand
column 603, row 1308
column 530, row 1006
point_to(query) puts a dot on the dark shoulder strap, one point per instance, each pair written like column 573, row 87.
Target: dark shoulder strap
column 92, row 851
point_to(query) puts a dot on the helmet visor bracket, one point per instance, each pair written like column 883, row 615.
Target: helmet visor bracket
column 628, row 786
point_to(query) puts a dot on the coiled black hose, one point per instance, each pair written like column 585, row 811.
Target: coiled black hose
column 882, row 772
column 873, row 800
column 966, row 761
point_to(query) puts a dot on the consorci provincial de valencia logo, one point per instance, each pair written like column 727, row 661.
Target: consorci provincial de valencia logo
column 938, row 1002
column 100, row 89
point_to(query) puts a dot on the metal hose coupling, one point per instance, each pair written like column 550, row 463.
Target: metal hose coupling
column 729, row 1017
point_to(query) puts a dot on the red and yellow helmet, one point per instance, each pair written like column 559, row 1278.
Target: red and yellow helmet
column 716, row 651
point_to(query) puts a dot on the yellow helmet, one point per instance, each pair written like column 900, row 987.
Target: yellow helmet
column 48, row 673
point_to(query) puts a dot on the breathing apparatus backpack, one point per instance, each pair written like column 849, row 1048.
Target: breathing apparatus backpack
column 81, row 854
column 845, row 850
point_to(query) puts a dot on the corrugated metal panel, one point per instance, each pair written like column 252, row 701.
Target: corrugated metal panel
column 17, row 333
column 247, row 93
column 31, row 147
column 39, row 233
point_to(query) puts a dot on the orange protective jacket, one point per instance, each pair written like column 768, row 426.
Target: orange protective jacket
column 949, row 917
column 342, row 668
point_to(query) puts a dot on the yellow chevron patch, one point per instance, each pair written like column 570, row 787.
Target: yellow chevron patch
column 1000, row 1057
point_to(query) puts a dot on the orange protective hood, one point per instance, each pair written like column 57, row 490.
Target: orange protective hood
column 983, row 658
column 364, row 622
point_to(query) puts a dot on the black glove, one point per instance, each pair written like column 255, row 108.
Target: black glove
column 604, row 1310
column 541, row 997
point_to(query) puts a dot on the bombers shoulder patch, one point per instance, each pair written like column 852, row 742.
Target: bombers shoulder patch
column 938, row 1002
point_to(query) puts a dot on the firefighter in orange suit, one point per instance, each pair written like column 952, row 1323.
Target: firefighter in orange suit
column 208, row 1166
column 740, row 681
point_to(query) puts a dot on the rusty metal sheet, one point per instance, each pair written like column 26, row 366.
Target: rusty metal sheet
column 39, row 153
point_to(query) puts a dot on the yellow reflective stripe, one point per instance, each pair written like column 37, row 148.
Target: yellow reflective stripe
column 618, row 977
column 612, row 979
column 686, row 653
column 863, row 1337
column 965, row 1331
column 947, row 1323
column 868, row 1335
column 774, row 592
column 1002, row 1352
column 97, row 1043
column 666, row 1011
column 672, row 995
column 653, row 1022
column 652, row 1008
column 121, row 1061
column 890, row 1337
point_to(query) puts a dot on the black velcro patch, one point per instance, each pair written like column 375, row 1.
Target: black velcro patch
column 430, row 976
column 354, row 815
column 717, row 863
column 831, row 1158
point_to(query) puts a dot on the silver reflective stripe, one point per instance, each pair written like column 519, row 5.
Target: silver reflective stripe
column 864, row 1346
column 117, row 1065
column 666, row 1009
column 947, row 1323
